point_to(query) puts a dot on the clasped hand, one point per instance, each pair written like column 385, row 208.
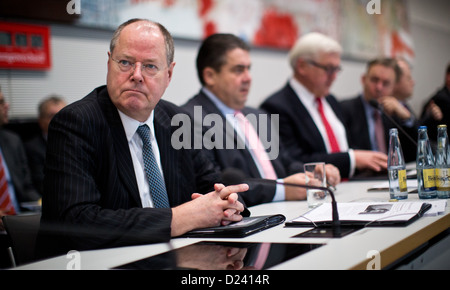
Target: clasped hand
column 219, row 207
column 226, row 198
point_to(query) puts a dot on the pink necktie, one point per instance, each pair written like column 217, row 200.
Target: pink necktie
column 256, row 146
column 331, row 137
column 6, row 204
column 379, row 132
column 262, row 256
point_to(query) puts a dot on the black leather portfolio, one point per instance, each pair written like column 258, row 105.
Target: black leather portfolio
column 243, row 228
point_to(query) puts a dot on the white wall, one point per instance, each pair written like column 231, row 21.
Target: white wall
column 79, row 58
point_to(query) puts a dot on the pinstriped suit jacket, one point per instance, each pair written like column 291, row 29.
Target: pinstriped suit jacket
column 90, row 185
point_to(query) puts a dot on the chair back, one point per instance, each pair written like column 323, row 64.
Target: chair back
column 22, row 231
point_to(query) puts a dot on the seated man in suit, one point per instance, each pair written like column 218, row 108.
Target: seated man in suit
column 368, row 128
column 403, row 90
column 15, row 179
column 437, row 109
column 223, row 67
column 37, row 146
column 311, row 121
column 14, row 167
column 112, row 177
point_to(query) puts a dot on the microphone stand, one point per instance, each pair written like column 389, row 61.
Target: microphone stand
column 335, row 215
column 376, row 105
column 236, row 176
column 321, row 231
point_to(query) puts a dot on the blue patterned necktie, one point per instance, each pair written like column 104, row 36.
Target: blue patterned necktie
column 155, row 180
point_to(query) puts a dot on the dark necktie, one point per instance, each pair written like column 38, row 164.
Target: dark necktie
column 6, row 204
column 331, row 137
column 154, row 176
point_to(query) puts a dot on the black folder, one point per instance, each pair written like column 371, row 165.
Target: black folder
column 247, row 226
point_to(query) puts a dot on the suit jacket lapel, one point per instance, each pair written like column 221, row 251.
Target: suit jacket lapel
column 305, row 119
column 208, row 107
column 168, row 155
column 122, row 151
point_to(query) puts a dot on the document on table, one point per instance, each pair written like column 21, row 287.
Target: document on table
column 364, row 213
column 384, row 186
column 437, row 207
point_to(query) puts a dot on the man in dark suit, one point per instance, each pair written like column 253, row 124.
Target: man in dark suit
column 15, row 162
column 360, row 117
column 311, row 122
column 403, row 91
column 19, row 187
column 223, row 67
column 97, row 189
column 437, row 109
column 36, row 146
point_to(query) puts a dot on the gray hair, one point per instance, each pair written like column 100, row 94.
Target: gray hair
column 170, row 48
column 311, row 45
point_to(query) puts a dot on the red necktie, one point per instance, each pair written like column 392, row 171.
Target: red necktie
column 256, row 146
column 6, row 204
column 331, row 137
column 379, row 132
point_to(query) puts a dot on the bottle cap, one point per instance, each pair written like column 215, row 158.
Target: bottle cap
column 422, row 127
column 442, row 126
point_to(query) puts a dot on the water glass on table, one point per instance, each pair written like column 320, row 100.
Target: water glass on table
column 316, row 197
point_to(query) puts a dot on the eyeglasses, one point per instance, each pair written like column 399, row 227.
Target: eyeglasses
column 329, row 70
column 147, row 69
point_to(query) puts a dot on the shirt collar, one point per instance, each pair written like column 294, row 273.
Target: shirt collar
column 367, row 107
column 302, row 92
column 131, row 125
column 224, row 109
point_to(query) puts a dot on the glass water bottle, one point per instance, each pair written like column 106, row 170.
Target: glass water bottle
column 426, row 176
column 396, row 167
column 442, row 163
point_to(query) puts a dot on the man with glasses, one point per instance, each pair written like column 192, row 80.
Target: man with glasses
column 368, row 127
column 112, row 176
column 311, row 122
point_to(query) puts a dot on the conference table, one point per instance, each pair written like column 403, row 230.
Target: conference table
column 420, row 244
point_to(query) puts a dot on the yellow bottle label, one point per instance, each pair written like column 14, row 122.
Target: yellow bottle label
column 402, row 180
column 442, row 179
column 429, row 178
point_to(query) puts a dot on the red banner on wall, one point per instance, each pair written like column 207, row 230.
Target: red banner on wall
column 24, row 46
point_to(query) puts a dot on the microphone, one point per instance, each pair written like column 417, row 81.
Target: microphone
column 232, row 176
column 376, row 105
